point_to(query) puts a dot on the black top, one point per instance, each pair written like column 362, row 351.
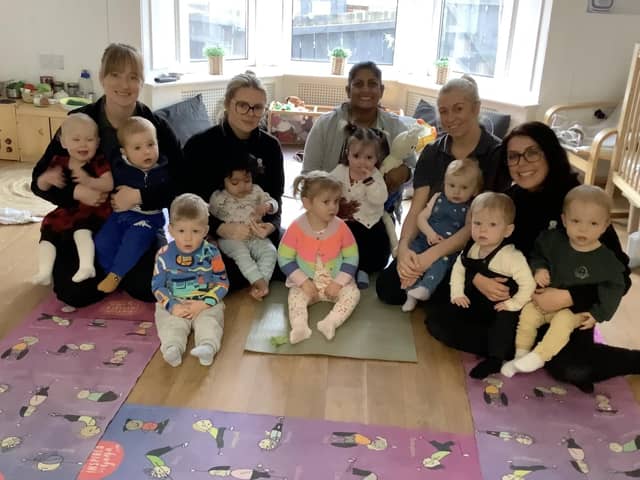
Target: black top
column 436, row 157
column 540, row 210
column 153, row 196
column 205, row 160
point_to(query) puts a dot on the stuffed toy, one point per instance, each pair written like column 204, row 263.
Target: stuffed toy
column 413, row 140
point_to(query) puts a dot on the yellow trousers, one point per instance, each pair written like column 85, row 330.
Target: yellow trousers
column 561, row 324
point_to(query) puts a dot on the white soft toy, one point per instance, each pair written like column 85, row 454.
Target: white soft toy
column 407, row 142
column 412, row 140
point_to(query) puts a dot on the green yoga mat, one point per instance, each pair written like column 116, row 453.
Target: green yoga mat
column 373, row 331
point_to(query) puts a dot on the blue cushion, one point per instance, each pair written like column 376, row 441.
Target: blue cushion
column 186, row 118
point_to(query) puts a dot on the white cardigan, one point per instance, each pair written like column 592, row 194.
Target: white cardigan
column 371, row 197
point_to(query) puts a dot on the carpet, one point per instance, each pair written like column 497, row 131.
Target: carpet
column 161, row 442
column 374, row 330
column 17, row 203
column 62, row 379
column 533, row 427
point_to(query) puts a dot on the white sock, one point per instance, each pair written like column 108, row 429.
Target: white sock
column 521, row 352
column 46, row 259
column 205, row 353
column 419, row 293
column 86, row 255
column 410, row 304
column 172, row 355
column 509, row 369
column 529, row 363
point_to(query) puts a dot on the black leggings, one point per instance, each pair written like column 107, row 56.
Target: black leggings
column 373, row 245
column 137, row 282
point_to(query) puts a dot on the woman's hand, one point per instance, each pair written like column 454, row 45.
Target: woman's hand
column 492, row 288
column 125, row 198
column 542, row 277
column 234, row 231
column 89, row 196
column 396, row 177
column 332, row 290
column 408, row 266
column 51, row 177
column 552, row 299
column 261, row 229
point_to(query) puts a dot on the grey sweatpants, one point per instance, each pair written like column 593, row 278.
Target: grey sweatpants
column 256, row 258
column 174, row 331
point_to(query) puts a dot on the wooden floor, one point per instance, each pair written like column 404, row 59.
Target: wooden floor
column 427, row 394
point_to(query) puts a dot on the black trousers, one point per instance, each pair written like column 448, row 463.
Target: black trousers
column 580, row 362
column 389, row 291
column 373, row 245
column 137, row 282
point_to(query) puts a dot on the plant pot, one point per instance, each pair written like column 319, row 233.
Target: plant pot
column 337, row 65
column 215, row 65
column 442, row 73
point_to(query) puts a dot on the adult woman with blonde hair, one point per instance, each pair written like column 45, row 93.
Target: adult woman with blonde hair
column 121, row 76
column 210, row 154
column 459, row 109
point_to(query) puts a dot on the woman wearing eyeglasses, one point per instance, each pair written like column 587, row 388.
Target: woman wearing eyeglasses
column 210, row 154
column 542, row 177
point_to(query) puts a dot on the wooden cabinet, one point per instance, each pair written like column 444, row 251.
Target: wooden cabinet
column 36, row 126
column 8, row 132
column 25, row 130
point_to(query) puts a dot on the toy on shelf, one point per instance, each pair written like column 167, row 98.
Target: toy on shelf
column 291, row 121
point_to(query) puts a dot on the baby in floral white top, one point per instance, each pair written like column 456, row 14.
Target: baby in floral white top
column 243, row 202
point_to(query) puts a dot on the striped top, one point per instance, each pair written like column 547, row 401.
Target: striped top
column 335, row 247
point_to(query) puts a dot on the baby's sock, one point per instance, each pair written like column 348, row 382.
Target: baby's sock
column 410, row 304
column 509, row 369
column 485, row 368
column 110, row 283
column 327, row 326
column 205, row 353
column 362, row 280
column 86, row 255
column 529, row 363
column 521, row 352
column 299, row 333
column 46, row 259
column 172, row 355
column 419, row 293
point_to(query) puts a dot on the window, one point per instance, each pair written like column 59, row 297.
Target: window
column 213, row 23
column 469, row 35
column 365, row 27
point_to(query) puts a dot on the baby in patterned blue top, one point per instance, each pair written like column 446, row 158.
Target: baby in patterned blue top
column 443, row 216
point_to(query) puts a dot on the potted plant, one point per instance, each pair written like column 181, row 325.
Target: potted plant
column 339, row 57
column 216, row 58
column 442, row 70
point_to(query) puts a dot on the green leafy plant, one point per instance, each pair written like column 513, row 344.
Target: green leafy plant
column 442, row 62
column 213, row 51
column 340, row 52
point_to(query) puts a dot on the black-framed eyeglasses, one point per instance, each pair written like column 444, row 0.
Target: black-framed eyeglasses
column 243, row 108
column 530, row 155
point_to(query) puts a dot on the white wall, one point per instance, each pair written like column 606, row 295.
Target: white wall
column 77, row 30
column 588, row 54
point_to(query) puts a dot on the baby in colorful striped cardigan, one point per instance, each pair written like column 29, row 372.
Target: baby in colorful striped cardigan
column 319, row 256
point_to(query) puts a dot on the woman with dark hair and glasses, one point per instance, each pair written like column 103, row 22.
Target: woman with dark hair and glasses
column 542, row 177
column 326, row 143
column 210, row 154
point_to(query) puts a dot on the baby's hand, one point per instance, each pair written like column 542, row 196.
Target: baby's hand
column 587, row 321
column 309, row 288
column 195, row 307
column 52, row 177
column 432, row 237
column 500, row 307
column 332, row 290
column 180, row 310
column 462, row 301
column 542, row 277
column 80, row 176
column 262, row 210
